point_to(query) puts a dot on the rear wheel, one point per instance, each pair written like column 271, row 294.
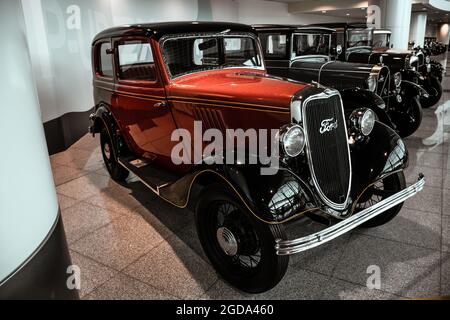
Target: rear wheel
column 378, row 192
column 116, row 171
column 408, row 122
column 240, row 247
column 434, row 89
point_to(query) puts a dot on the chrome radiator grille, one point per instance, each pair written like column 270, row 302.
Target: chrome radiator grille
column 327, row 148
column 384, row 79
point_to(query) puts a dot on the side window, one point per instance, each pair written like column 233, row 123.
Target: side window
column 105, row 65
column 274, row 45
column 136, row 61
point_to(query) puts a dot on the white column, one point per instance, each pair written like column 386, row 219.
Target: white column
column 28, row 203
column 398, row 20
column 418, row 28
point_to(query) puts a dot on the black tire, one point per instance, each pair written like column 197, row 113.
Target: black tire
column 434, row 89
column 390, row 185
column 219, row 214
column 408, row 123
column 116, row 171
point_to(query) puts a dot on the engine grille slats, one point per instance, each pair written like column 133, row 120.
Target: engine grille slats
column 328, row 149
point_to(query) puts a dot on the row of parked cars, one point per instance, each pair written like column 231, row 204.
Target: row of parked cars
column 338, row 96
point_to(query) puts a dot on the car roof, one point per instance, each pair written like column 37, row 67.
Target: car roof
column 293, row 28
column 339, row 25
column 158, row 30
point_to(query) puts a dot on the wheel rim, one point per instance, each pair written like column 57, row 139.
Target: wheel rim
column 233, row 238
column 107, row 151
column 378, row 192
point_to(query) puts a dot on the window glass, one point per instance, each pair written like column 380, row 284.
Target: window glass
column 105, row 67
column 311, row 44
column 274, row 45
column 184, row 55
column 136, row 61
column 360, row 38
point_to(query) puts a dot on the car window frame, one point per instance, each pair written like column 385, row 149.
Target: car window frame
column 97, row 61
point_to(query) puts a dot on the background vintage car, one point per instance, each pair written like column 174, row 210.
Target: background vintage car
column 359, row 83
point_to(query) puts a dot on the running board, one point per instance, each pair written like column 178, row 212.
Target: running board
column 150, row 175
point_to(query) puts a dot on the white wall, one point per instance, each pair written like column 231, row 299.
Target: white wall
column 60, row 34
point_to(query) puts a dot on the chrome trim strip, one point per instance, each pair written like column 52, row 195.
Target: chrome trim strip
column 289, row 247
column 321, row 68
column 327, row 94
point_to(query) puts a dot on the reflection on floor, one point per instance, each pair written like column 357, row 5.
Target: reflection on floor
column 130, row 244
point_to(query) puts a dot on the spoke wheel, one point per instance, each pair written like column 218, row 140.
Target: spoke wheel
column 239, row 246
column 381, row 190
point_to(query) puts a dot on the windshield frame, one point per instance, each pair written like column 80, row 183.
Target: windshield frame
column 369, row 30
column 387, row 36
column 309, row 55
column 205, row 35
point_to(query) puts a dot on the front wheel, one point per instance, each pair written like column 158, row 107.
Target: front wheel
column 240, row 247
column 408, row 122
column 434, row 89
column 378, row 192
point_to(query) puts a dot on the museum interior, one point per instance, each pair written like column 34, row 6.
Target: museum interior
column 110, row 189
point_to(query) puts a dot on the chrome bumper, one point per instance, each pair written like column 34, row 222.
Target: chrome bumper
column 288, row 247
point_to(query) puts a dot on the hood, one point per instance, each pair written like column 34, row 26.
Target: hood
column 392, row 51
column 241, row 86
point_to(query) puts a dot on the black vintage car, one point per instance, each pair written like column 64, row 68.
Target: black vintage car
column 304, row 53
column 357, row 41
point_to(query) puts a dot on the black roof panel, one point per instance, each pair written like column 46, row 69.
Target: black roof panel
column 160, row 29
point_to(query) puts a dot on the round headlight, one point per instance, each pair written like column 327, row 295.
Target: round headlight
column 293, row 140
column 363, row 120
column 372, row 83
column 398, row 79
column 367, row 122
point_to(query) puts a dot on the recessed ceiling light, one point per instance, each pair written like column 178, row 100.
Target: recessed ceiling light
column 324, row 11
column 348, row 14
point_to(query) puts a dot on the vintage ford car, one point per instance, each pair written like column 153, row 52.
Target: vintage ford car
column 304, row 53
column 156, row 82
column 357, row 41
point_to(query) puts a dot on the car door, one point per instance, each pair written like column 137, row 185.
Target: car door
column 140, row 99
column 275, row 47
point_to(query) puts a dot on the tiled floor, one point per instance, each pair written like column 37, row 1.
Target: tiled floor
column 130, row 244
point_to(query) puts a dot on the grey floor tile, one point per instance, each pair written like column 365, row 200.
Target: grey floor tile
column 119, row 243
column 418, row 157
column 88, row 143
column 176, row 268
column 63, row 174
column 122, row 287
column 63, row 158
column 82, row 219
column 116, row 199
column 85, row 186
column 424, row 145
column 445, row 275
column 446, row 179
column 446, row 202
column 406, row 270
column 429, row 200
column 93, row 274
column 410, row 226
column 433, row 176
column 65, row 202
column 446, row 233
column 336, row 289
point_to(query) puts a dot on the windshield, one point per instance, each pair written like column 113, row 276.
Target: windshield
column 189, row 54
column 359, row 38
column 311, row 44
column 381, row 40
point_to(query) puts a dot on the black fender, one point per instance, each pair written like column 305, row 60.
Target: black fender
column 411, row 89
column 380, row 154
column 367, row 99
column 273, row 199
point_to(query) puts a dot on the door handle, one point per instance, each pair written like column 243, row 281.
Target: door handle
column 160, row 104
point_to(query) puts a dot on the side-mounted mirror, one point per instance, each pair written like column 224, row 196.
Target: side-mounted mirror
column 339, row 49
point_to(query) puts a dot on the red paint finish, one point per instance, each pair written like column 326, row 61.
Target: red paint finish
column 147, row 112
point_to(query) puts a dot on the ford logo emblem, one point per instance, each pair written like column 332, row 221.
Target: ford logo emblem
column 328, row 125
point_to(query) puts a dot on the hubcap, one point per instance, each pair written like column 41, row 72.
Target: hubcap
column 107, row 151
column 227, row 241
